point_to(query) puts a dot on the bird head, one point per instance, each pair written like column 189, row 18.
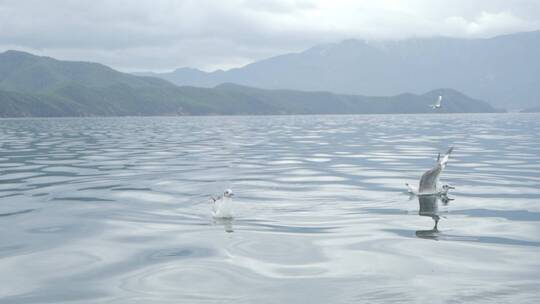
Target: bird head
column 228, row 193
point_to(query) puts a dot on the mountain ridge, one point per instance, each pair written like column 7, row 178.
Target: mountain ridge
column 42, row 86
column 504, row 69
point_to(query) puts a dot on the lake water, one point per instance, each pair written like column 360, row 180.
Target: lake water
column 116, row 210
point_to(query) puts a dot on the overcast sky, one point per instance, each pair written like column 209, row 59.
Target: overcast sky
column 160, row 35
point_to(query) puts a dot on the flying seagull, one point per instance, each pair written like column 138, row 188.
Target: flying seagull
column 437, row 105
column 429, row 182
column 222, row 205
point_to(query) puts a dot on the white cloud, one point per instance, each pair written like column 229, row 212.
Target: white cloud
column 165, row 34
column 486, row 24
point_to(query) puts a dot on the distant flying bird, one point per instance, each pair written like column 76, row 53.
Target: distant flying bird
column 429, row 182
column 437, row 105
column 222, row 205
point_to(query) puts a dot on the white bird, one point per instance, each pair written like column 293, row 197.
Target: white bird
column 437, row 105
column 429, row 182
column 411, row 189
column 222, row 205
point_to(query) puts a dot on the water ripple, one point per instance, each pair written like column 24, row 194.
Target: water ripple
column 116, row 210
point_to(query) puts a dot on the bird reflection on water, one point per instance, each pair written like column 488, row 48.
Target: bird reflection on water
column 226, row 222
column 429, row 206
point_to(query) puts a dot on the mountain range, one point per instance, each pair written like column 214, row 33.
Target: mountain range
column 503, row 70
column 42, row 86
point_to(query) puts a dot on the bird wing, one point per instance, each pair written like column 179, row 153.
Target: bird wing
column 429, row 180
column 439, row 100
column 444, row 160
column 411, row 189
column 215, row 201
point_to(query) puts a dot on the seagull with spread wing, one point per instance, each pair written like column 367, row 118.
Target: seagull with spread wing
column 429, row 182
column 438, row 104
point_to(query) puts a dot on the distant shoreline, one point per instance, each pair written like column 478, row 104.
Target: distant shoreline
column 35, row 86
column 264, row 115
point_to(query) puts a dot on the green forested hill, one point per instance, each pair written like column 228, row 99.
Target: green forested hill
column 42, row 86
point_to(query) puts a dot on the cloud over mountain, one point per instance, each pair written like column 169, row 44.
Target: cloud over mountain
column 209, row 34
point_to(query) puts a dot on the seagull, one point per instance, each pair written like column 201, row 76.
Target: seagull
column 222, row 205
column 429, row 182
column 437, row 105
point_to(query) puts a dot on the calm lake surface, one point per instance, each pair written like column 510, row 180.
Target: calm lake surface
column 116, row 210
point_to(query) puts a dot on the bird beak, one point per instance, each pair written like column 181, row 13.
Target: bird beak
column 451, row 187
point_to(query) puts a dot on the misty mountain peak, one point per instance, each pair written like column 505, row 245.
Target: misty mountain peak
column 503, row 70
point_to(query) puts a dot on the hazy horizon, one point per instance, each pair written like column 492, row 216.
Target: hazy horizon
column 172, row 69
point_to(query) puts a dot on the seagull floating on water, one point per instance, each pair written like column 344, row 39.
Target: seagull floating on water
column 222, row 205
column 437, row 105
column 429, row 183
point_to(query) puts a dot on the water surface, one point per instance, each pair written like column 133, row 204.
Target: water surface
column 115, row 210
